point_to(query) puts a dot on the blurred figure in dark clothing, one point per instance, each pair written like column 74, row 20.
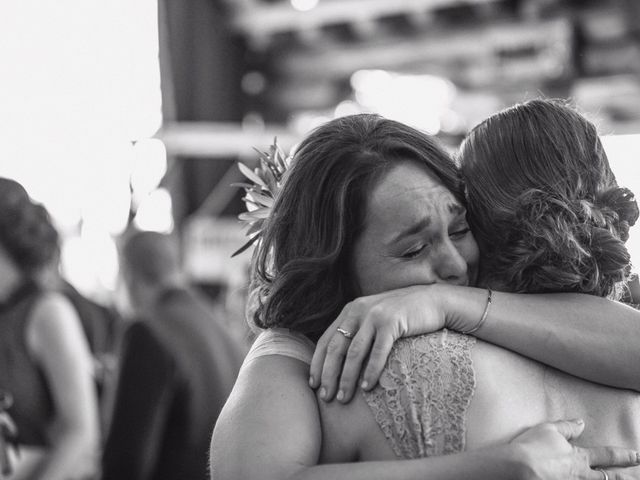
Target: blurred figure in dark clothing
column 177, row 367
column 45, row 362
column 99, row 323
column 101, row 326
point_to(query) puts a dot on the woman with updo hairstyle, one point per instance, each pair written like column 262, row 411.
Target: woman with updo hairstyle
column 45, row 364
column 544, row 204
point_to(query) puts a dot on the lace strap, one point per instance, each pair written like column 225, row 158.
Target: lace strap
column 424, row 393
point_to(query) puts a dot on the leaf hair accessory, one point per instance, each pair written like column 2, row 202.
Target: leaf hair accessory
column 260, row 194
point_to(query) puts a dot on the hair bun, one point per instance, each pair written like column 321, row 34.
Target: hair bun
column 561, row 245
column 622, row 209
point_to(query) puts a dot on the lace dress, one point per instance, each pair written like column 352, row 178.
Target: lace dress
column 424, row 393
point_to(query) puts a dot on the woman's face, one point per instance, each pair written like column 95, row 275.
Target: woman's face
column 416, row 233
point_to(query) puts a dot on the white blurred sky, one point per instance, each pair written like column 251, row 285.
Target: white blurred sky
column 624, row 156
column 80, row 80
column 79, row 83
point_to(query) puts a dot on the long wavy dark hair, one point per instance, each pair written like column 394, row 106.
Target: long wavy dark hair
column 544, row 204
column 26, row 230
column 301, row 269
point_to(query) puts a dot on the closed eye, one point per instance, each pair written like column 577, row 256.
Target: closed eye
column 459, row 233
column 414, row 252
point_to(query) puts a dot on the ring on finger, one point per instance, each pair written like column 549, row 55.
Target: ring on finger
column 605, row 476
column 346, row 333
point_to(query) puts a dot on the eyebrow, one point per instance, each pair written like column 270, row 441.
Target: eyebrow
column 411, row 230
column 419, row 226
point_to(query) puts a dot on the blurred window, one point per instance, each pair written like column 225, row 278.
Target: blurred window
column 623, row 152
column 80, row 86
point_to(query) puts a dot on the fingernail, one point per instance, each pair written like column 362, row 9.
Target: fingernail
column 323, row 393
column 311, row 381
column 364, row 385
column 580, row 421
column 340, row 395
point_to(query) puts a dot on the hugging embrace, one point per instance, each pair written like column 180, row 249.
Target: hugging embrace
column 463, row 314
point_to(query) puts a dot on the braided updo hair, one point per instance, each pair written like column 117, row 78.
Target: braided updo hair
column 544, row 204
column 26, row 231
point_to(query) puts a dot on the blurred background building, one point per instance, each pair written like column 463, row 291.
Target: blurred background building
column 134, row 113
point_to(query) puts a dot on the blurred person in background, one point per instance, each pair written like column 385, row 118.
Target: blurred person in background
column 45, row 362
column 100, row 325
column 177, row 367
column 229, row 300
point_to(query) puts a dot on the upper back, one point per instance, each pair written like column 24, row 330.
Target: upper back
column 514, row 392
column 441, row 393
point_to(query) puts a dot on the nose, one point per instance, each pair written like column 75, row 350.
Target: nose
column 450, row 265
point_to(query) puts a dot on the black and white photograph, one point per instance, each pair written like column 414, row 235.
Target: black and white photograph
column 319, row 240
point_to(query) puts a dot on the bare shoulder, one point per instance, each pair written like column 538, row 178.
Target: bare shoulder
column 269, row 426
column 52, row 309
column 350, row 432
column 54, row 325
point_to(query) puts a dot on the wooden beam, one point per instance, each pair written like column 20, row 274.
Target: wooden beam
column 220, row 140
column 261, row 19
column 460, row 48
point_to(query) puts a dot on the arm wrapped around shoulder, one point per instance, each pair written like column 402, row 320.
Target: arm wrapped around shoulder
column 560, row 244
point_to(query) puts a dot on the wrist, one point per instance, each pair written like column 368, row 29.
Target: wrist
column 465, row 308
column 500, row 462
column 513, row 462
column 448, row 297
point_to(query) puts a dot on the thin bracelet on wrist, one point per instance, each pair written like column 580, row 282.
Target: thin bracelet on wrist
column 485, row 314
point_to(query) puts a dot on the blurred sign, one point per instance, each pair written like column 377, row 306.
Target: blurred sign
column 208, row 245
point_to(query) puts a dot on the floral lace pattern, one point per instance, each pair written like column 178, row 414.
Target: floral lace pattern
column 423, row 395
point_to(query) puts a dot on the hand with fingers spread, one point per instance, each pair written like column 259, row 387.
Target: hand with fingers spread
column 546, row 453
column 364, row 332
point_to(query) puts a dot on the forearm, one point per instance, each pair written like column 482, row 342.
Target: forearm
column 493, row 464
column 583, row 335
column 74, row 455
column 504, row 462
